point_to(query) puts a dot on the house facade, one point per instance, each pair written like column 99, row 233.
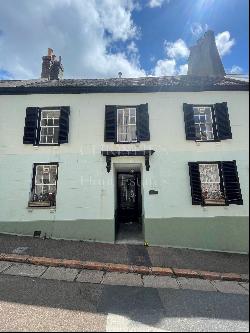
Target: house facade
column 81, row 158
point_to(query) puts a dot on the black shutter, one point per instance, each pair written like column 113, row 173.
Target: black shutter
column 189, row 121
column 231, row 183
column 195, row 183
column 222, row 121
column 31, row 126
column 64, row 124
column 142, row 122
column 110, row 123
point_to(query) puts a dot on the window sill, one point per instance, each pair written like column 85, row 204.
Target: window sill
column 204, row 141
column 214, row 203
column 41, row 204
column 126, row 143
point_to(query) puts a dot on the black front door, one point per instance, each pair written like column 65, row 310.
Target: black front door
column 128, row 197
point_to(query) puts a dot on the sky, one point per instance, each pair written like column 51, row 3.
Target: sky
column 99, row 38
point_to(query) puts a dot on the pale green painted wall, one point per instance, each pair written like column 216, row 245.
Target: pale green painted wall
column 86, row 196
column 219, row 233
column 88, row 230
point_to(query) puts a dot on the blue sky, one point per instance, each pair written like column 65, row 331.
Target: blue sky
column 99, row 38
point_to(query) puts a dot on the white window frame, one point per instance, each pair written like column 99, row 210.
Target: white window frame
column 48, row 126
column 40, row 202
column 211, row 201
column 206, row 123
column 123, row 110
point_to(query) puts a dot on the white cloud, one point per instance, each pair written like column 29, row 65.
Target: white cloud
column 198, row 29
column 178, row 49
column 224, row 43
column 156, row 3
column 165, row 67
column 169, row 67
column 82, row 32
column 183, row 69
column 236, row 70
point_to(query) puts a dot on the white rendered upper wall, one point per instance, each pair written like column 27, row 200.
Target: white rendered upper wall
column 85, row 189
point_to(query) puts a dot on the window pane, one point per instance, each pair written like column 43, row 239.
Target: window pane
column 210, row 183
column 49, row 133
column 56, row 134
column 50, row 139
column 196, row 111
column 45, row 183
column 133, row 133
column 126, row 125
column 50, row 122
column 56, row 122
column 52, row 189
column 44, row 131
column 50, row 114
column 196, row 118
column 203, row 118
column 50, row 130
column 44, row 122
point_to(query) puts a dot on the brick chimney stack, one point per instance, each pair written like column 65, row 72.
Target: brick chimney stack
column 52, row 69
column 204, row 59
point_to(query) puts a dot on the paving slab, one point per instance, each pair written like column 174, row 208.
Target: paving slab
column 229, row 287
column 88, row 276
column 245, row 285
column 4, row 265
column 151, row 281
column 123, row 279
column 196, row 284
column 25, row 270
column 60, row 273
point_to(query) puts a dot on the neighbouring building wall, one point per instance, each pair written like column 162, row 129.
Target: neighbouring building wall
column 86, row 194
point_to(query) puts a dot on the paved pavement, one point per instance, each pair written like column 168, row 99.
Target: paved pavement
column 122, row 279
column 42, row 304
column 126, row 254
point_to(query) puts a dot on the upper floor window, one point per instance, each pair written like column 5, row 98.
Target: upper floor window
column 46, row 126
column 207, row 122
column 49, row 125
column 215, row 183
column 44, row 185
column 126, row 124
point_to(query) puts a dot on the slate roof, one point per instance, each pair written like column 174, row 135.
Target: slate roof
column 143, row 84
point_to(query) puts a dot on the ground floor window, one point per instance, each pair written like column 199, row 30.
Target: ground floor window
column 211, row 186
column 44, row 185
column 215, row 183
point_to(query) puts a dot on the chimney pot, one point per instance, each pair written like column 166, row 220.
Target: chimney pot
column 50, row 52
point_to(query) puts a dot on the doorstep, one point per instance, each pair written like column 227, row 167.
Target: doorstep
column 123, row 268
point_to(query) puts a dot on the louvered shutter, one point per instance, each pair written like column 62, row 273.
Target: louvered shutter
column 142, row 123
column 31, row 126
column 195, row 183
column 64, row 125
column 231, row 183
column 110, row 123
column 189, row 121
column 222, row 121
